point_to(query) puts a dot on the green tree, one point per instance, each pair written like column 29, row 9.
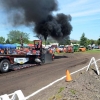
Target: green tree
column 7, row 41
column 88, row 41
column 83, row 40
column 98, row 41
column 2, row 40
column 14, row 36
column 92, row 41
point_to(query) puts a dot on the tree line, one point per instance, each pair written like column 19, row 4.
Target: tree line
column 14, row 36
column 84, row 41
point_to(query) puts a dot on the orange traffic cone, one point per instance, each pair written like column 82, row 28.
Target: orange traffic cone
column 68, row 77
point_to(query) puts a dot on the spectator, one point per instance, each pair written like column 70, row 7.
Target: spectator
column 14, row 52
column 2, row 51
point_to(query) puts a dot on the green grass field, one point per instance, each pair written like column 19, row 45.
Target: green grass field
column 93, row 51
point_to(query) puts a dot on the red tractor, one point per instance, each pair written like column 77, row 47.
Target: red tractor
column 22, row 59
column 69, row 49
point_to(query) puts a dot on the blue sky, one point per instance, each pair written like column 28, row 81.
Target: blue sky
column 85, row 18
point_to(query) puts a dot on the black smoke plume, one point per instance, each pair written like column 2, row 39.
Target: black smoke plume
column 39, row 14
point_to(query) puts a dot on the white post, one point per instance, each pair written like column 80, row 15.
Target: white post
column 4, row 97
column 89, row 64
column 94, row 61
column 96, row 66
column 18, row 95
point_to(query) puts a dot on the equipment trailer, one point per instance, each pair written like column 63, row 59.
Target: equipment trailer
column 38, row 55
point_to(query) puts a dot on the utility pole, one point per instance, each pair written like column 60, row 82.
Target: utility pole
column 21, row 41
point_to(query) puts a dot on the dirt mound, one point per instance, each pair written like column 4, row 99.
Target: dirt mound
column 86, row 86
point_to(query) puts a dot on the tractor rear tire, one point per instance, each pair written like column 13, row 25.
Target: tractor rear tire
column 4, row 65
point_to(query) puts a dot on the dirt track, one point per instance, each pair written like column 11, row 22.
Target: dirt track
column 31, row 79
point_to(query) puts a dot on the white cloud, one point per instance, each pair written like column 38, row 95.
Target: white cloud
column 85, row 20
column 77, row 3
column 86, row 13
column 80, row 8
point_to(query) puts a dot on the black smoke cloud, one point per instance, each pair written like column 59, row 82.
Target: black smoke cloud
column 39, row 14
